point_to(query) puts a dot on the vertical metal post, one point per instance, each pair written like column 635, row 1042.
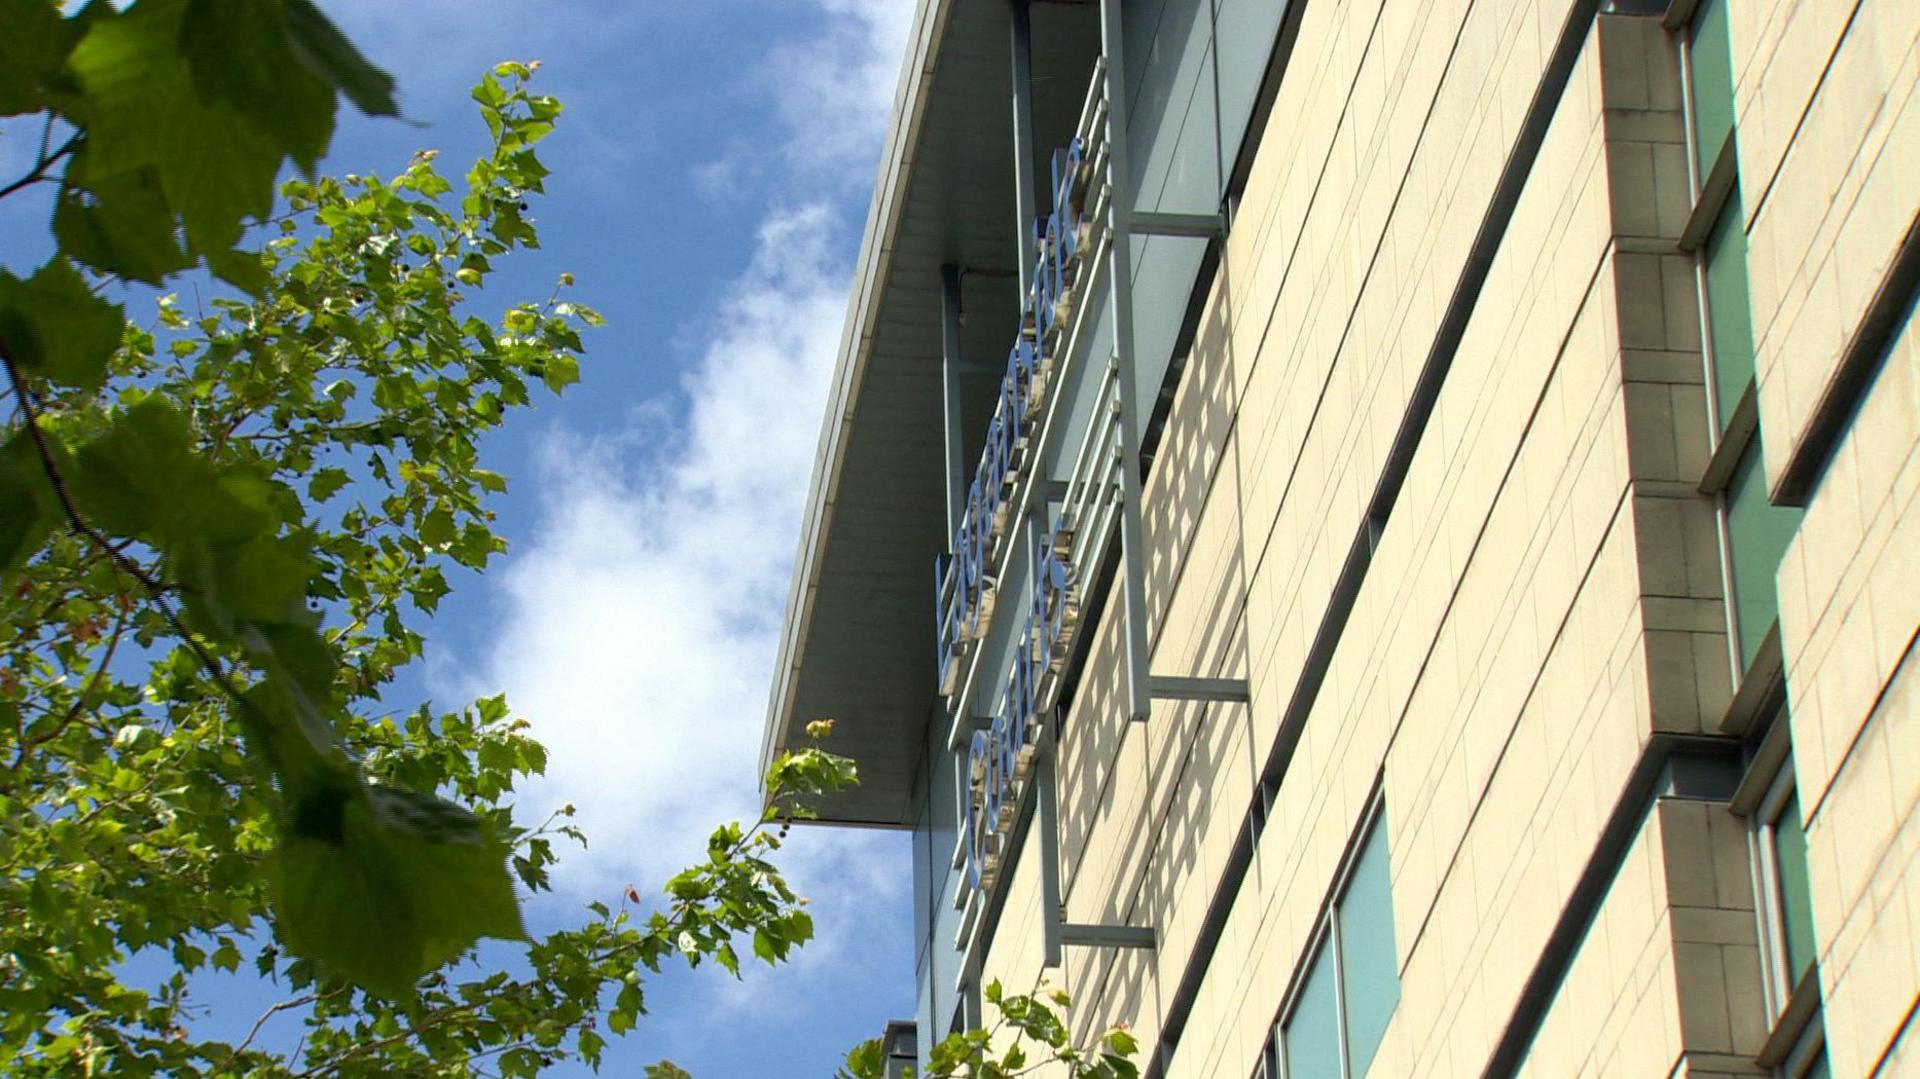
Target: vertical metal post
column 950, row 386
column 1046, row 818
column 1120, row 282
column 1023, row 177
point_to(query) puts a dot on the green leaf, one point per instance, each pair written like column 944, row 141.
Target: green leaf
column 326, row 483
column 561, row 371
column 27, row 512
column 384, row 886
column 143, row 478
column 53, row 325
column 240, row 55
column 327, row 53
column 865, row 1061
column 143, row 112
column 32, row 52
column 118, row 222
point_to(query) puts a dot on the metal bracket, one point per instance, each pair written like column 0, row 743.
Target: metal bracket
column 1154, row 223
column 1107, row 936
column 1199, row 689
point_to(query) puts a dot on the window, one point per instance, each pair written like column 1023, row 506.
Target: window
column 1340, row 1011
column 1710, row 69
column 1795, row 1047
column 1754, row 532
column 1785, row 904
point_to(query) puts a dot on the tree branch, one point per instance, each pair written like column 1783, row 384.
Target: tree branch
column 40, row 167
column 121, row 560
column 80, row 699
column 254, row 1031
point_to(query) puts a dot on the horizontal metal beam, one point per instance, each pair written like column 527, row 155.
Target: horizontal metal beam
column 1107, row 936
column 1153, row 223
column 1168, row 688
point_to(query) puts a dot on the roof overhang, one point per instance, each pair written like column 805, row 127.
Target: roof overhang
column 858, row 642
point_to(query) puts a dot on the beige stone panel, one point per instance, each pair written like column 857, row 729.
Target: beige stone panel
column 1014, row 957
column 1357, row 756
column 1551, row 541
column 1849, row 605
column 1352, row 685
column 1321, row 331
column 1195, row 479
column 1780, row 48
column 1823, row 236
column 1665, row 979
column 1201, row 770
column 1864, row 857
column 1417, row 490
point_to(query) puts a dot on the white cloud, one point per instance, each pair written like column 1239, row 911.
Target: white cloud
column 639, row 620
column 832, row 94
column 846, row 76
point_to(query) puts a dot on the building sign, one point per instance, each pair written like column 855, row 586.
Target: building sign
column 966, row 586
column 1001, row 758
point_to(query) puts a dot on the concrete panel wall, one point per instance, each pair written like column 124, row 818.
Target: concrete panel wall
column 1545, row 600
column 1829, row 130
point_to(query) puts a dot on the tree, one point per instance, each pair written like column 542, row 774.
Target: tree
column 1030, row 1036
column 217, row 530
column 219, row 527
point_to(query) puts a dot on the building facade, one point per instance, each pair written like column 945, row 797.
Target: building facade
column 1381, row 537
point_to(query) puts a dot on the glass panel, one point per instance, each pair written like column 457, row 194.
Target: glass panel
column 1758, row 532
column 1796, row 902
column 1817, row 1067
column 1312, row 1033
column 1245, row 33
column 1712, row 73
column 1370, row 974
column 1729, row 317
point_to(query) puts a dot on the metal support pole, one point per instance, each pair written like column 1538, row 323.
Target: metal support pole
column 1155, row 223
column 1167, row 687
column 1046, row 818
column 950, row 364
column 1108, row 936
column 1120, row 283
column 1023, row 181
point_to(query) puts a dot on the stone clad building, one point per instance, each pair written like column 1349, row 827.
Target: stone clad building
column 1380, row 537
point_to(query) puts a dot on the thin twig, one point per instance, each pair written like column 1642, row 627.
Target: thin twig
column 125, row 563
column 40, row 167
column 80, row 699
column 285, row 1005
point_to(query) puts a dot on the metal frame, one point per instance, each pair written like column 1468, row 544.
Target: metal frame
column 1157, row 223
column 1021, row 25
column 1728, row 439
column 1104, row 488
column 1325, row 940
column 1172, row 688
column 1120, row 300
column 951, row 365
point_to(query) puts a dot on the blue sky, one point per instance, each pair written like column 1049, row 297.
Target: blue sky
column 710, row 178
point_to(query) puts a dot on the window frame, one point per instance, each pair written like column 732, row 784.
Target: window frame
column 1795, row 1030
column 1770, row 912
column 1733, row 432
column 1324, row 943
column 1809, row 1047
column 1696, row 189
